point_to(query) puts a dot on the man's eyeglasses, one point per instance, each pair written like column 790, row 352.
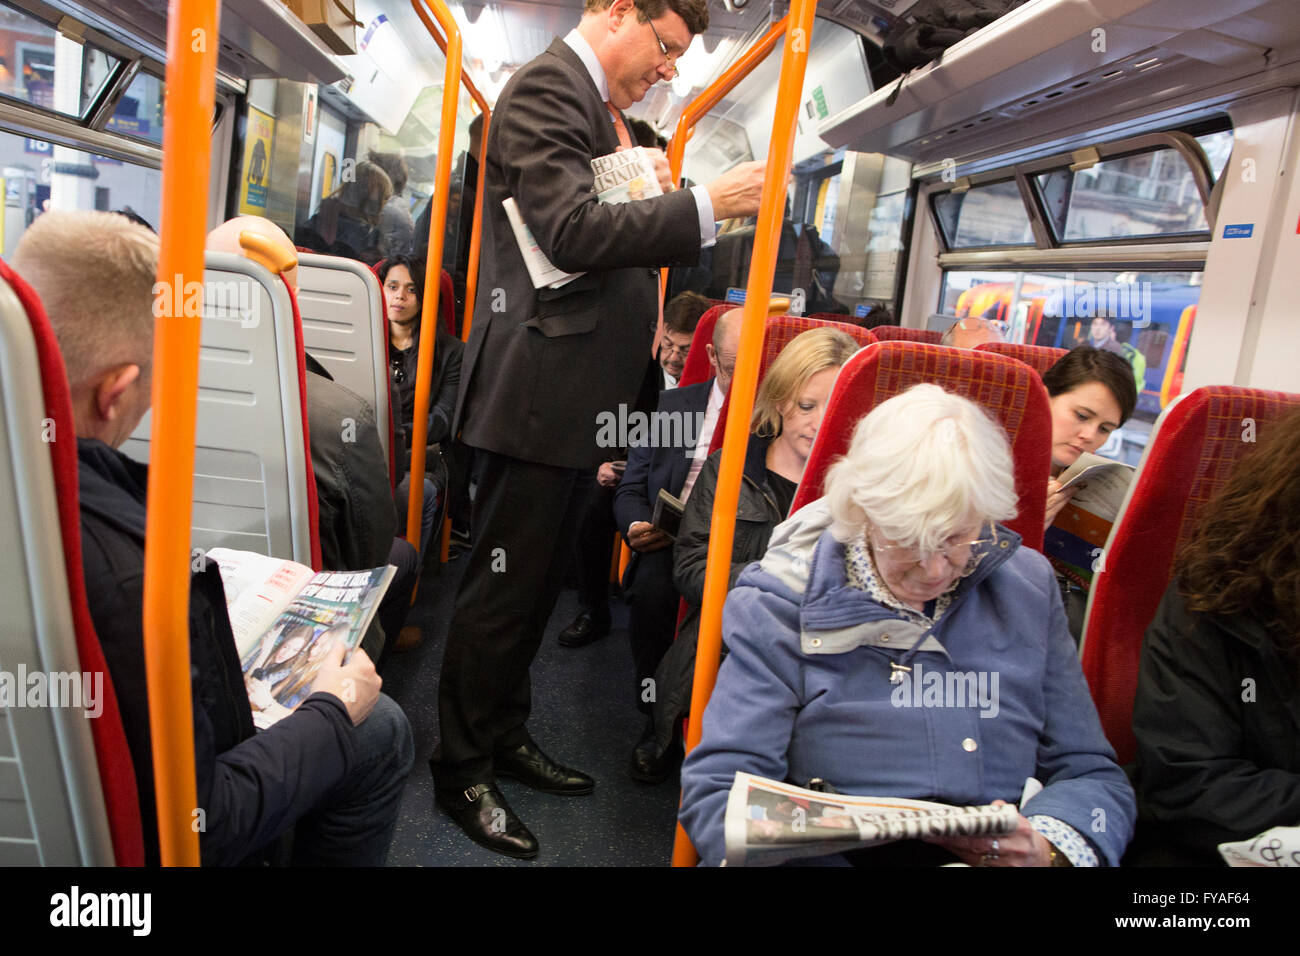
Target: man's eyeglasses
column 667, row 348
column 663, row 48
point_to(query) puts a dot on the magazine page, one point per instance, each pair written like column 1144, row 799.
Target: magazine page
column 540, row 269
column 769, row 822
column 1075, row 541
column 333, row 607
column 626, row 176
column 258, row 589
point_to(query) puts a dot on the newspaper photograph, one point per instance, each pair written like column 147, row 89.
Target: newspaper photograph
column 768, row 822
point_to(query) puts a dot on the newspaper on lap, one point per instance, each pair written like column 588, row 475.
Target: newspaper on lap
column 769, row 822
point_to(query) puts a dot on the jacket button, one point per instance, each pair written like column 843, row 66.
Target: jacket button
column 816, row 642
column 884, row 638
column 969, row 745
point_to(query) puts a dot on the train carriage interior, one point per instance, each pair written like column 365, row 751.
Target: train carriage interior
column 1075, row 172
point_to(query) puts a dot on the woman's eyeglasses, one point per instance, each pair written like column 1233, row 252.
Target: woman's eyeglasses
column 956, row 553
column 399, row 371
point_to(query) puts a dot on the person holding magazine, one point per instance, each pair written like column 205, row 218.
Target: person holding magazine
column 897, row 641
column 1092, row 394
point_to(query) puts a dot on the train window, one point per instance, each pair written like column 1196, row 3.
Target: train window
column 139, row 112
column 1151, row 309
column 1151, row 193
column 1218, row 147
column 988, row 215
column 38, row 176
column 40, row 66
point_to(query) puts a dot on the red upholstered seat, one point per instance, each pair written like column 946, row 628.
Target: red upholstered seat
column 116, row 770
column 779, row 332
column 896, row 333
column 1038, row 357
column 697, row 368
column 313, row 506
column 1009, row 391
column 1190, row 455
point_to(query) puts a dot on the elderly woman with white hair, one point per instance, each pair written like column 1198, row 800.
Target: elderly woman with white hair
column 902, row 571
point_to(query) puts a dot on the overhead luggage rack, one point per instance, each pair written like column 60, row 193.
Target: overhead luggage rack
column 1007, row 82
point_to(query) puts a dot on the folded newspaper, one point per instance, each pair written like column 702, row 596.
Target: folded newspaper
column 285, row 617
column 769, row 822
column 623, row 176
column 1279, row 846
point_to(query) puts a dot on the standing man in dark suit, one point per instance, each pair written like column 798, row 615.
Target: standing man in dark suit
column 542, row 365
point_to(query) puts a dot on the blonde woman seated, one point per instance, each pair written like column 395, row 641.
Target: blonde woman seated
column 900, row 572
column 788, row 411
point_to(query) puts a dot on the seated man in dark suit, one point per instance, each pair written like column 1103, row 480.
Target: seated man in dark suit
column 356, row 519
column 593, row 549
column 334, row 769
column 648, row 583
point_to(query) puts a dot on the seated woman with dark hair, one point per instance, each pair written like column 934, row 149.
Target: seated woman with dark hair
column 788, row 411
column 1217, row 713
column 1092, row 394
column 402, row 279
column 901, row 570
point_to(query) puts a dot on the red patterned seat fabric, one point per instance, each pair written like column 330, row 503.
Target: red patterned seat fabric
column 697, row 367
column 779, row 332
column 1011, row 393
column 896, row 333
column 1038, row 357
column 116, row 770
column 1194, row 448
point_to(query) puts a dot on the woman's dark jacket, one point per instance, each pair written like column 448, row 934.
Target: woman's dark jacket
column 445, row 383
column 1217, row 720
column 757, row 513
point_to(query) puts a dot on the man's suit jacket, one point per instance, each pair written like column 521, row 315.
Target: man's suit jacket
column 541, row 365
column 650, row 468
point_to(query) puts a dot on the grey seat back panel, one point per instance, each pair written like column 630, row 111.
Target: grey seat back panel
column 51, row 803
column 250, row 469
column 342, row 309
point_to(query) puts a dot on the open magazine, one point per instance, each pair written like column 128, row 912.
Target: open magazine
column 1075, row 540
column 619, row 177
column 285, row 617
column 769, row 822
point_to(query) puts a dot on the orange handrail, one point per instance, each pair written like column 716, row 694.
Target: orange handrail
column 767, row 235
column 192, row 44
column 433, row 265
column 1176, row 355
column 475, row 236
column 712, row 95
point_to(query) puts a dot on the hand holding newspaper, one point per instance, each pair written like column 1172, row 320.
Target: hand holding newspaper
column 285, row 618
column 623, row 176
column 769, row 822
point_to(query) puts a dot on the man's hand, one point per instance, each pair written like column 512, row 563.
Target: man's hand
column 355, row 683
column 738, row 191
column 662, row 170
column 645, row 537
column 606, row 476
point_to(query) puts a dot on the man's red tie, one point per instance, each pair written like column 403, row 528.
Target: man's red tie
column 624, row 139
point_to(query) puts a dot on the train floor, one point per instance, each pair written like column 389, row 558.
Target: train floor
column 582, row 716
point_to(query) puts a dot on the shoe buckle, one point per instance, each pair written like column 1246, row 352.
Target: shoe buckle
column 473, row 793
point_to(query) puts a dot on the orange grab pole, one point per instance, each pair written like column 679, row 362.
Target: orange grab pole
column 192, row 44
column 794, row 62
column 433, row 267
column 475, row 236
column 710, row 97
column 1176, row 354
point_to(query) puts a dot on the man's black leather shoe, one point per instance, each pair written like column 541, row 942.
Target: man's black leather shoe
column 584, row 630
column 482, row 812
column 527, row 764
column 647, row 768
